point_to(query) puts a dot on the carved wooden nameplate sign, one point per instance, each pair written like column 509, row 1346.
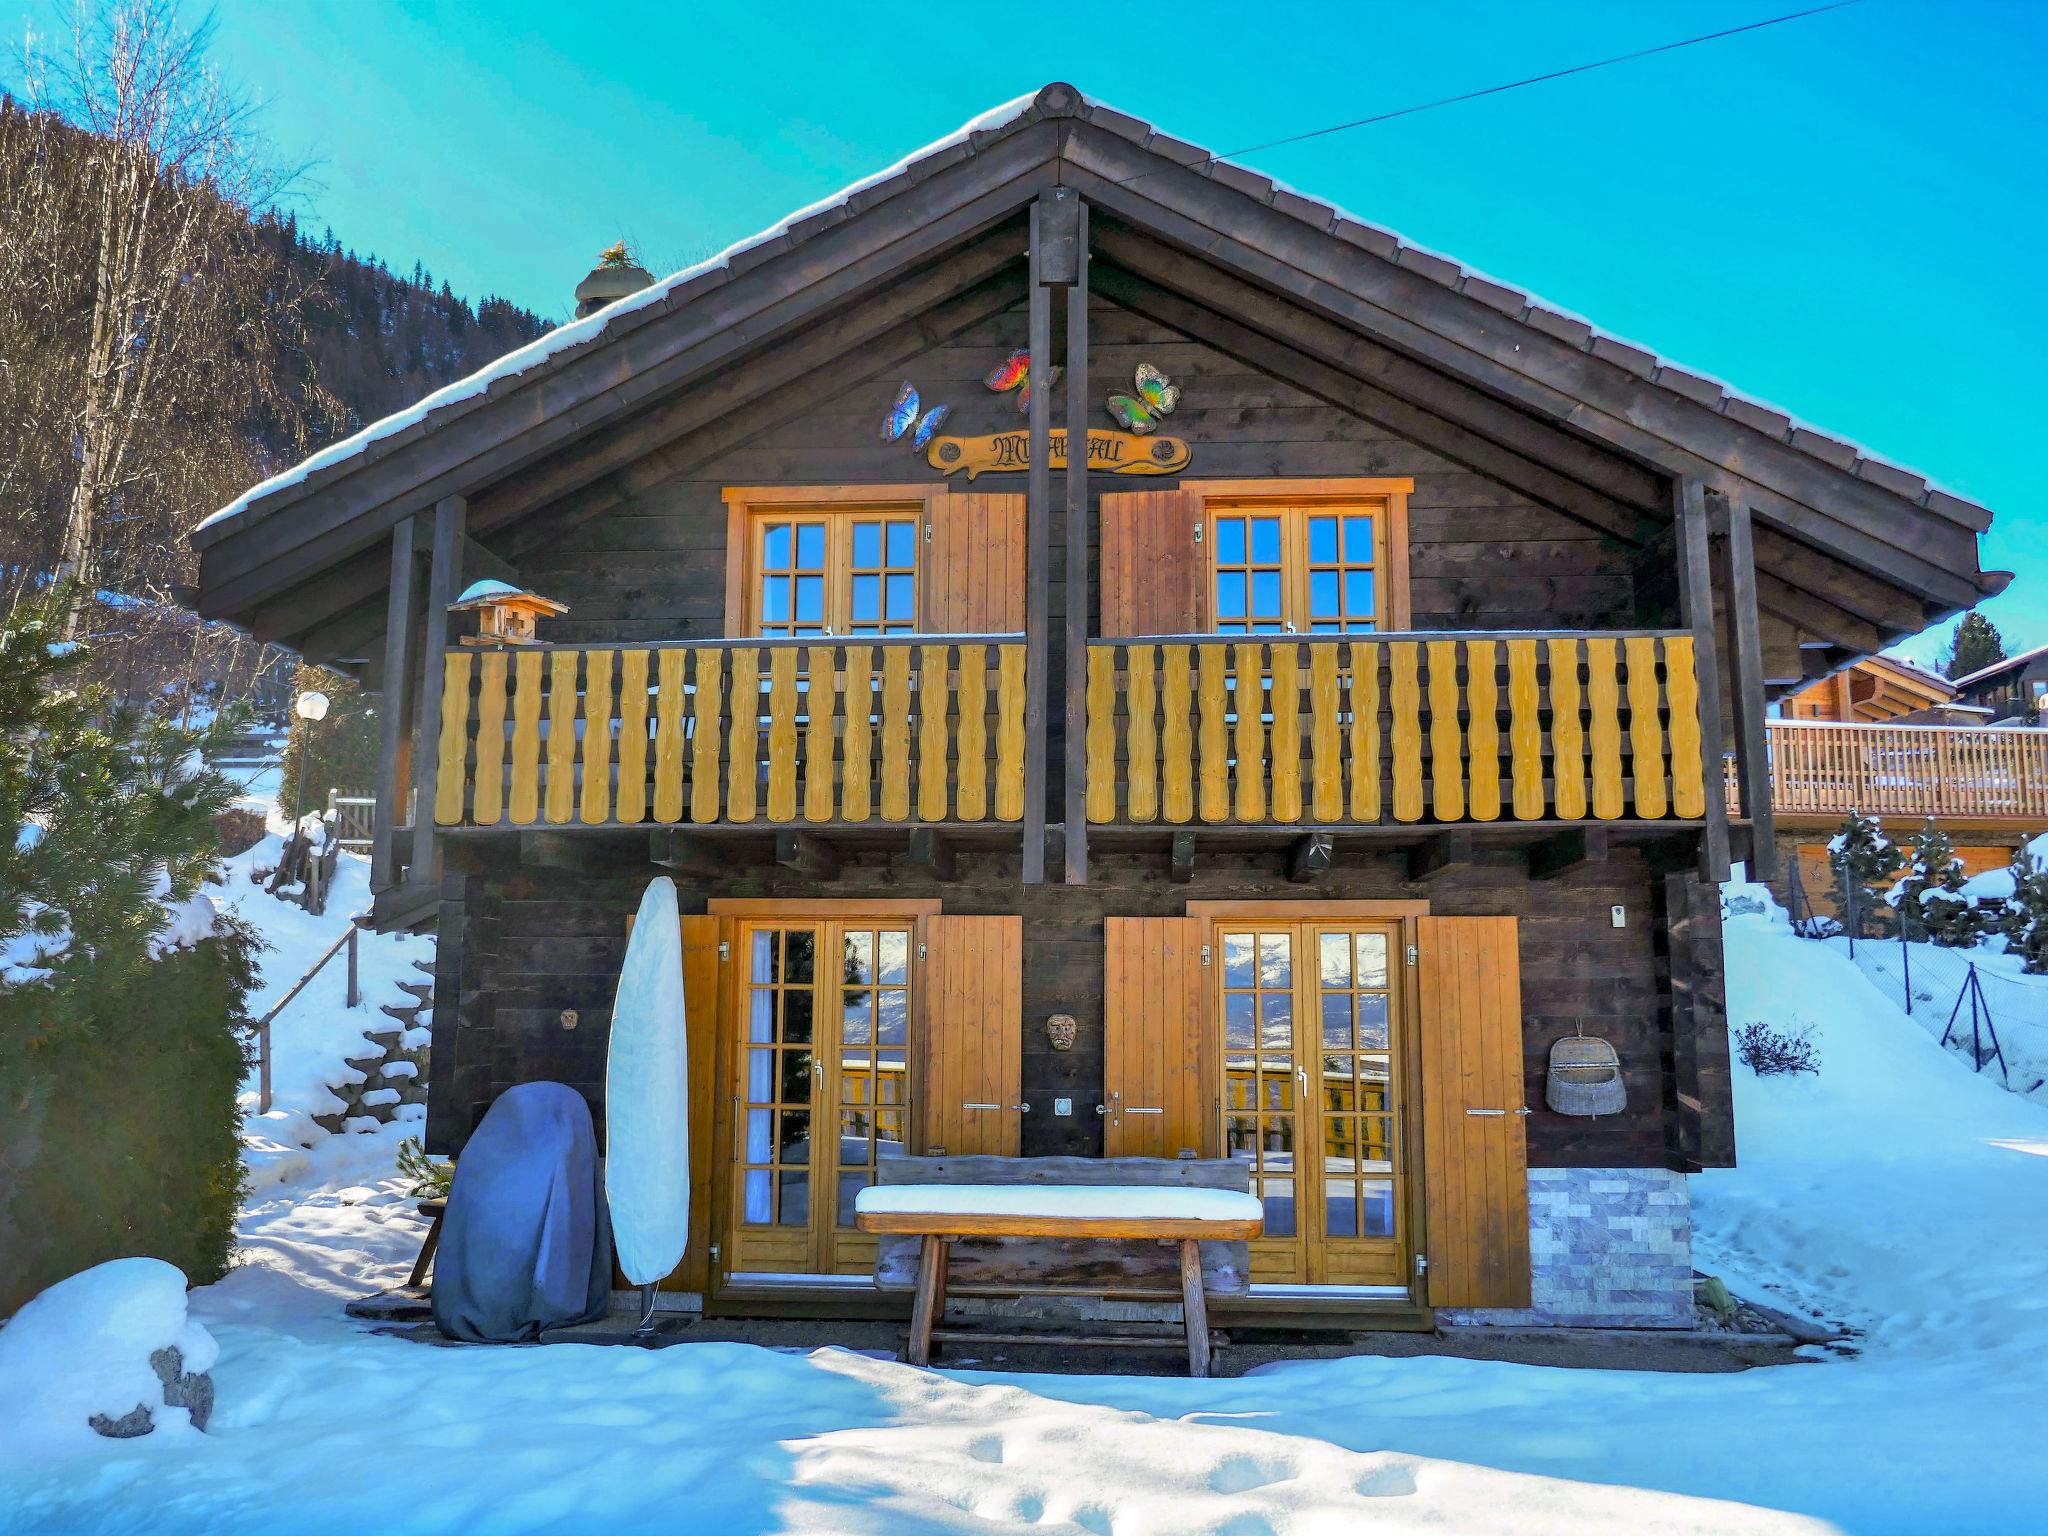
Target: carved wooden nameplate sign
column 1115, row 453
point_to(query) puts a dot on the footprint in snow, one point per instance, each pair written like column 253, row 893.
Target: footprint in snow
column 986, row 1447
column 1241, row 1474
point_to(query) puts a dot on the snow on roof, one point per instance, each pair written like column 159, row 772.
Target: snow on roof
column 2010, row 663
column 482, row 591
column 1555, row 320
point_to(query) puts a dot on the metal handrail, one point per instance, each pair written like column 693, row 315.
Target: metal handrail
column 353, row 998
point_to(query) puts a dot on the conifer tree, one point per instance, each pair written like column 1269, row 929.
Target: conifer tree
column 1860, row 856
column 1977, row 645
column 2025, row 919
column 1930, row 900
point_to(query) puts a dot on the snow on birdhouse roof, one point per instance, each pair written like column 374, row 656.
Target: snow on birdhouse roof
column 490, row 594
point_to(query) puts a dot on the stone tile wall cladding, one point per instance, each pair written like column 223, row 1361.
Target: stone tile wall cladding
column 1608, row 1248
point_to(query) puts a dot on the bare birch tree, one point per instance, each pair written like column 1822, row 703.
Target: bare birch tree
column 173, row 303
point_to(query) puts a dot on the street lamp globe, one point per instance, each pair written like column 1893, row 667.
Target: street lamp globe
column 311, row 705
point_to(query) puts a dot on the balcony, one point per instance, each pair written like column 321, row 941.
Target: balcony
column 1826, row 770
column 731, row 732
column 1442, row 728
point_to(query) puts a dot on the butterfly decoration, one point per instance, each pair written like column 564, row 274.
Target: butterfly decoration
column 1014, row 372
column 1155, row 398
column 903, row 418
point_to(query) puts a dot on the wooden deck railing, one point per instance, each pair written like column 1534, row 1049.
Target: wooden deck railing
column 1439, row 727
column 1965, row 772
column 929, row 729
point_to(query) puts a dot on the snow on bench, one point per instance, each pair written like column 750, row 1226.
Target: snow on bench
column 1060, row 1202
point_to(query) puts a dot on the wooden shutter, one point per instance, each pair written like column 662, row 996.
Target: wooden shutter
column 1155, row 1059
column 971, row 580
column 973, row 984
column 1154, row 576
column 701, row 971
column 1475, row 1165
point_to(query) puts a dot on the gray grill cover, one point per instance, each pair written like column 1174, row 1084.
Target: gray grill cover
column 526, row 1244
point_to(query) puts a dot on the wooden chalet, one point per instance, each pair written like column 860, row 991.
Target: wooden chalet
column 1325, row 753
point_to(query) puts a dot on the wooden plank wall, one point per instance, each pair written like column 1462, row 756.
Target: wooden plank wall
column 548, row 940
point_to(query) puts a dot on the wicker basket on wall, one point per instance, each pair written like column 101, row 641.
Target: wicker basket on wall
column 1585, row 1077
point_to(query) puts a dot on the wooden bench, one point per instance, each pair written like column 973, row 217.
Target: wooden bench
column 1059, row 1226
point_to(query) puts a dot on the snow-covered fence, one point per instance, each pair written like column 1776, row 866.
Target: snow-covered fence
column 1977, row 1001
column 353, row 999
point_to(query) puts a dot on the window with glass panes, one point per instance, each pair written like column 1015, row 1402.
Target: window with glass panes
column 781, row 1072
column 874, row 1056
column 1309, row 569
column 851, row 572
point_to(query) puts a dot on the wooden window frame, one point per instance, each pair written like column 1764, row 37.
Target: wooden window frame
column 1390, row 537
column 746, row 505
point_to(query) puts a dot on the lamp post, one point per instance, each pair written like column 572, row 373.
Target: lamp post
column 311, row 707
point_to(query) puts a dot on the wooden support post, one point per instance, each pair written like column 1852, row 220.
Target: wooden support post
column 1068, row 216
column 930, row 1302
column 393, row 708
column 807, row 855
column 1696, row 608
column 1194, row 1306
column 1752, row 759
column 1310, row 856
column 1183, row 857
column 1439, row 854
column 1037, row 559
column 444, row 582
column 932, row 850
column 1567, row 851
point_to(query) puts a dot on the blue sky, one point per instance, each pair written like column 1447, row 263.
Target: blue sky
column 1843, row 215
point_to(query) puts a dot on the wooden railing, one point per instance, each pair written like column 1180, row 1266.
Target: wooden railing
column 929, row 729
column 1440, row 727
column 1967, row 772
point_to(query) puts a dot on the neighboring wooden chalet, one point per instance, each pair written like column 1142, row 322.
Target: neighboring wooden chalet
column 945, row 734
column 2013, row 689
column 1875, row 690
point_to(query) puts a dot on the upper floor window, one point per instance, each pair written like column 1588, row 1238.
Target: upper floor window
column 1311, row 569
column 832, row 571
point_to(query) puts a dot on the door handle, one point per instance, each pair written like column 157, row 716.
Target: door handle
column 1522, row 1111
column 1021, row 1108
column 1140, row 1109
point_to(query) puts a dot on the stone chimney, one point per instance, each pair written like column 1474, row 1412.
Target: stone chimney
column 615, row 275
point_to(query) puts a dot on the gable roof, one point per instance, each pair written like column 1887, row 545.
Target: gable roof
column 1832, row 449
column 1885, row 519
column 2012, row 664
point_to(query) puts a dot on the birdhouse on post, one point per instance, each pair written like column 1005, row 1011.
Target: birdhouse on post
column 508, row 612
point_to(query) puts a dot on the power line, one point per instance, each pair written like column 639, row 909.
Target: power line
column 1495, row 90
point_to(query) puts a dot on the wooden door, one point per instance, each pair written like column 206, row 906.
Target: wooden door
column 1154, row 578
column 821, row 1025
column 1161, row 1095
column 1311, row 1018
column 972, row 579
column 973, row 1032
column 1474, row 1120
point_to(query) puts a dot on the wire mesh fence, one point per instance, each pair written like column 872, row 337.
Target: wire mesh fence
column 1976, row 1001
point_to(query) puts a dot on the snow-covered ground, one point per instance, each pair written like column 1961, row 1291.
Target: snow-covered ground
column 316, row 1034
column 1896, row 1192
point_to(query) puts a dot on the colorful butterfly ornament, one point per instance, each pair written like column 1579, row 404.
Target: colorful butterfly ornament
column 903, row 417
column 1015, row 373
column 1155, row 399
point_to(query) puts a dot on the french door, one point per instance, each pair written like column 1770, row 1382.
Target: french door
column 821, row 1046
column 1313, row 1094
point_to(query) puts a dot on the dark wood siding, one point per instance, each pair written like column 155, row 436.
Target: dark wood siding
column 1480, row 555
column 534, row 942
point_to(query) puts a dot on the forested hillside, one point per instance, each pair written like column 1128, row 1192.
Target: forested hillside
column 378, row 340
column 166, row 340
